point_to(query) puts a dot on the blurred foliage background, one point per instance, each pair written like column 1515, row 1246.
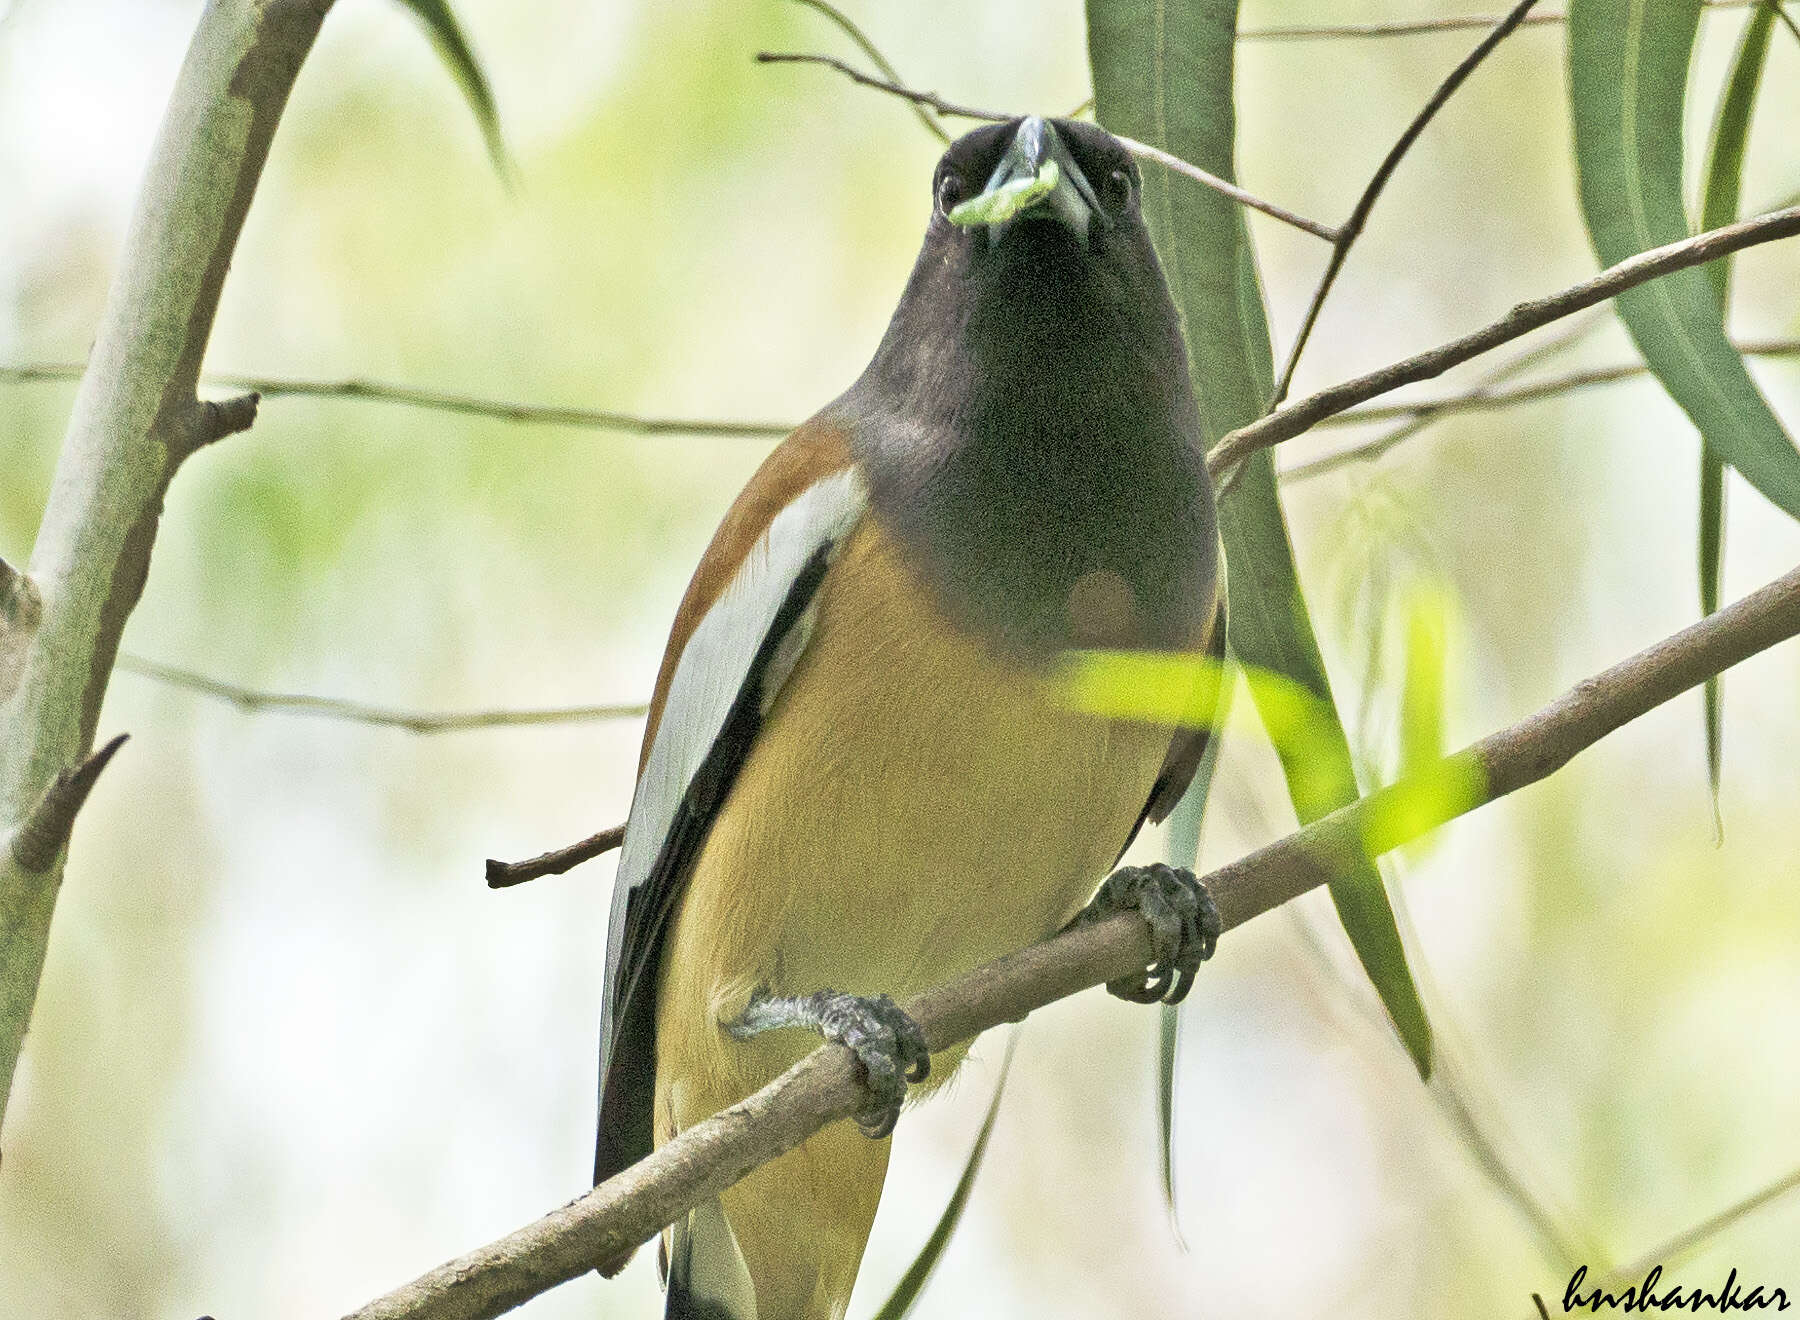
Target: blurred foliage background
column 289, row 1050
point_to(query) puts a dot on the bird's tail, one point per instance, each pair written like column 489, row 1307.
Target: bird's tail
column 708, row 1279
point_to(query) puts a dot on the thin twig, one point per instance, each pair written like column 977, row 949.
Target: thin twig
column 1697, row 1236
column 1175, row 164
column 825, row 1086
column 868, row 48
column 504, row 875
column 1297, row 418
column 1352, row 228
column 359, row 712
column 1786, row 19
column 1421, row 27
column 1691, row 1239
column 892, row 88
column 536, row 414
column 1486, row 399
column 1142, row 150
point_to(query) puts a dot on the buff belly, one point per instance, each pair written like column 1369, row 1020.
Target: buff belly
column 937, row 809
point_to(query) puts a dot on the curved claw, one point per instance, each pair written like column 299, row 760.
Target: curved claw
column 1184, row 927
column 886, row 1041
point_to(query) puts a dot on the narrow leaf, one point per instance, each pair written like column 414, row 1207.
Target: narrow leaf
column 1163, row 74
column 1718, row 206
column 453, row 47
column 1628, row 70
column 1183, row 849
column 918, row 1274
column 1168, row 1036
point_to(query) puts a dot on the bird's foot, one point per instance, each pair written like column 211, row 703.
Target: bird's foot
column 887, row 1042
column 1184, row 927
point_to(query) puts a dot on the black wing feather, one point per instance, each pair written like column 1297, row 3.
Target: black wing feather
column 628, row 1047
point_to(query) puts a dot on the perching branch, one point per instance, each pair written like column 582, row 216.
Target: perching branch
column 1297, row 418
column 359, row 712
column 504, row 875
column 535, row 414
column 135, row 419
column 824, row 1087
column 1142, row 150
column 1351, row 229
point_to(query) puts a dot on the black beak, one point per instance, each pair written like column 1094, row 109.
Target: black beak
column 1038, row 171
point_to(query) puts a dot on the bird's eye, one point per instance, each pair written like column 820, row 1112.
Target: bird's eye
column 950, row 191
column 1115, row 193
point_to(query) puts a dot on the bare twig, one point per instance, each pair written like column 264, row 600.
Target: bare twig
column 1297, row 418
column 504, row 875
column 1421, row 27
column 1690, row 1239
column 358, row 712
column 1352, row 228
column 38, row 841
column 824, row 1087
column 1786, row 19
column 536, row 414
column 1142, row 150
column 1175, row 164
column 891, row 87
column 1486, row 399
column 868, row 48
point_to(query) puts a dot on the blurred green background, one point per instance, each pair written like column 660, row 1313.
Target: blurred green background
column 289, row 1050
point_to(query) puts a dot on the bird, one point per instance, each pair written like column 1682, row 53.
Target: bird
column 858, row 779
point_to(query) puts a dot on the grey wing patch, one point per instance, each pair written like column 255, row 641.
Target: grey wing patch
column 725, row 684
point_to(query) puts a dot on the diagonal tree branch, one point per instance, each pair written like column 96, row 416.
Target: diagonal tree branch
column 1352, row 229
column 1297, row 418
column 136, row 417
column 824, row 1087
column 360, row 712
column 1142, row 150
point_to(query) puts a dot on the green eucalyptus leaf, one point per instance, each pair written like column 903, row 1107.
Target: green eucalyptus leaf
column 906, row 1293
column 1628, row 71
column 1163, row 74
column 1719, row 200
column 453, row 47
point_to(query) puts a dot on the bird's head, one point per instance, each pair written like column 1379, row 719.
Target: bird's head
column 1036, row 272
column 1028, row 416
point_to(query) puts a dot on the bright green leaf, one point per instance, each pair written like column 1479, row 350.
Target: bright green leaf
column 1164, row 74
column 1628, row 70
column 1422, row 683
column 447, row 35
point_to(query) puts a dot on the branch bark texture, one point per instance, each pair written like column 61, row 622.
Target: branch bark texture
column 135, row 418
column 825, row 1087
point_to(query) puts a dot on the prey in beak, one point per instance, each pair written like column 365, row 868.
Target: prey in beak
column 1036, row 178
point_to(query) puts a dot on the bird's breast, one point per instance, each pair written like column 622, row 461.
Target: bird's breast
column 915, row 806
